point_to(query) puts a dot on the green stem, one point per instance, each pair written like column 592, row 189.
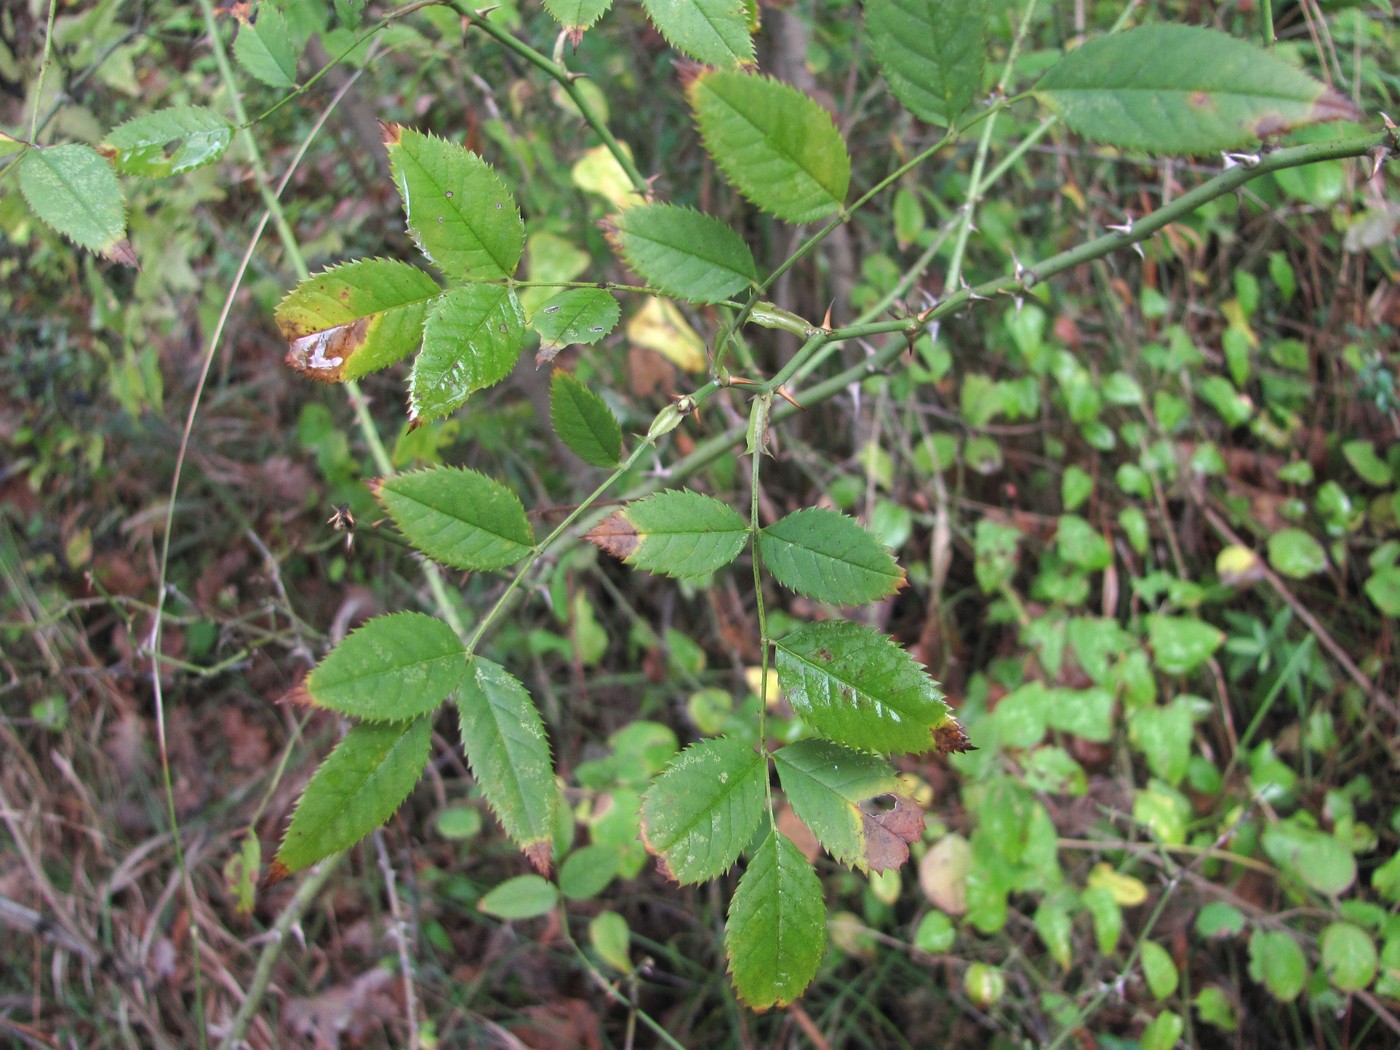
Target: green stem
column 758, row 436
column 43, row 70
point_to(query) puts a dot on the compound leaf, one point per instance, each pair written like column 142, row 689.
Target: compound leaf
column 583, row 421
column 857, row 687
column 684, row 253
column 357, row 788
column 777, row 146
column 1182, row 89
column 678, row 533
column 702, row 810
column 458, row 517
column 392, row 668
column 827, row 784
column 471, row 339
column 356, row 318
column 776, row 930
column 459, row 211
column 827, row 556
column 506, row 745
column 931, row 52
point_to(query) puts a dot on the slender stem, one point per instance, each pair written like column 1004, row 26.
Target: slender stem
column 758, row 437
column 43, row 70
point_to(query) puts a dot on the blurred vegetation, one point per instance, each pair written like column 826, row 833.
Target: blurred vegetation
column 1149, row 514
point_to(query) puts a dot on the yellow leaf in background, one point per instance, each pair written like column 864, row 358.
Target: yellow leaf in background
column 1124, row 889
column 661, row 327
column 598, row 171
column 1236, row 565
column 753, row 677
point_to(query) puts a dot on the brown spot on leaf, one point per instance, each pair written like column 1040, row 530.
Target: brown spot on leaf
column 887, row 834
column 122, row 252
column 537, row 853
column 1200, row 100
column 323, row 355
column 1330, row 105
column 950, row 737
column 615, row 535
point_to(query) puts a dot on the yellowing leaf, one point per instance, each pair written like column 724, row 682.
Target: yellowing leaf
column 598, row 171
column 1125, row 890
column 660, row 326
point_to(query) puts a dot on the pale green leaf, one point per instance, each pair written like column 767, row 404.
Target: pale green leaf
column 1383, row 588
column 75, row 191
column 391, row 669
column 825, row 555
column 715, row 32
column 358, row 787
column 577, row 315
column 776, row 931
column 583, row 421
column 266, row 49
column 678, row 533
column 611, row 939
column 931, row 52
column 523, row 897
column 356, row 318
column 459, row 211
column 1180, row 644
column 1159, row 969
column 1348, row 956
column 471, row 339
column 506, row 744
column 683, row 252
column 702, row 810
column 170, row 141
column 458, row 517
column 778, row 147
column 1181, row 89
column 1277, row 962
column 1295, row 553
column 1316, row 858
column 857, row 687
column 577, row 14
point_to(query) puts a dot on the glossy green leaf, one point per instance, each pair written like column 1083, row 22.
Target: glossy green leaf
column 931, row 52
column 266, row 49
column 393, row 668
column 776, row 931
column 703, row 809
column 508, row 750
column 471, row 339
column 1180, row 644
column 935, row 933
column 1320, row 860
column 1276, row 961
column 523, row 897
column 1348, row 956
column 1295, row 553
column 857, row 687
column 678, row 533
column 74, row 190
column 715, row 32
column 577, row 14
column 458, row 517
column 169, row 141
column 1159, row 970
column 1180, row 89
column 356, row 318
column 828, row 784
column 1383, row 588
column 358, row 787
column 827, row 556
column 576, row 315
column 684, row 253
column 583, row 421
column 778, row 147
column 459, row 211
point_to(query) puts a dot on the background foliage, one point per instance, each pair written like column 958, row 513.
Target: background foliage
column 1147, row 514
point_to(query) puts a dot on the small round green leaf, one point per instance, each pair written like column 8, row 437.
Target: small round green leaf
column 1180, row 644
column 523, row 897
column 1348, row 956
column 75, row 191
column 1296, row 553
column 587, row 871
column 1276, row 961
column 935, row 933
column 610, row 937
column 1159, row 970
column 1318, row 859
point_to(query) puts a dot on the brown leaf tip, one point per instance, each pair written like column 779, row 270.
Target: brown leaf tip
column 275, row 874
column 299, row 696
column 615, row 535
column 538, row 854
column 390, row 134
column 952, row 737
